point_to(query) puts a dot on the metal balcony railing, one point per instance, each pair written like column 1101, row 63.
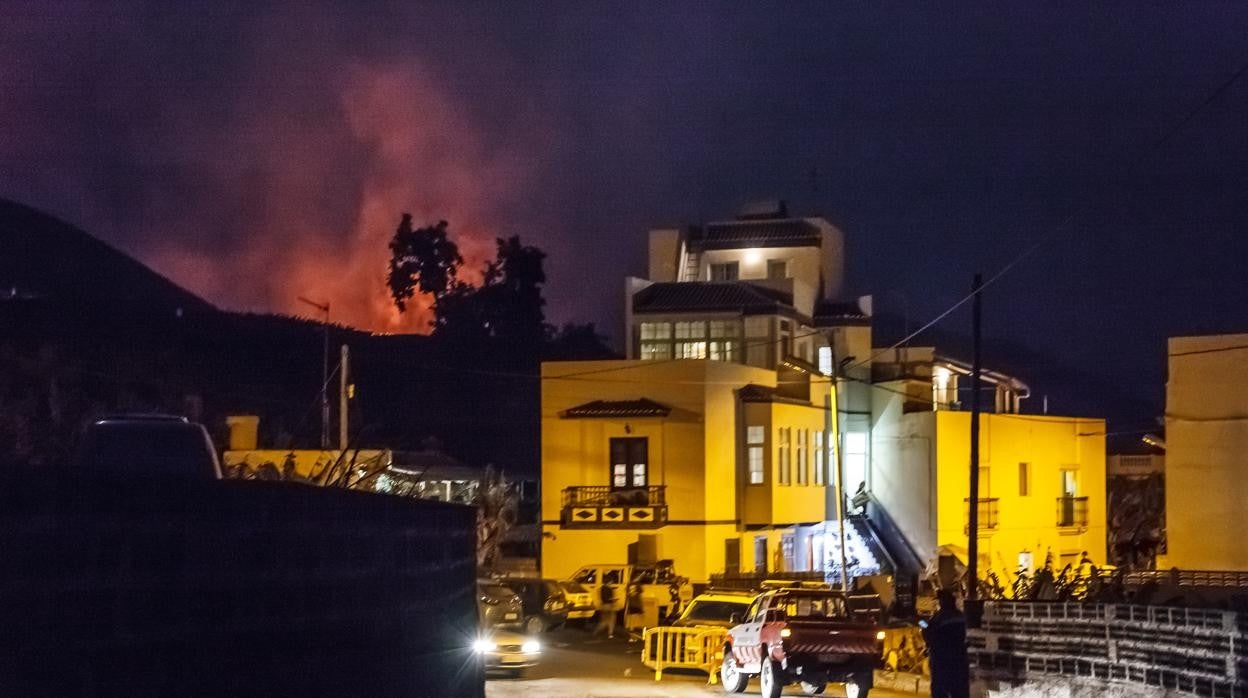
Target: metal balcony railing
column 614, row 507
column 1072, row 512
column 987, row 514
column 602, row 496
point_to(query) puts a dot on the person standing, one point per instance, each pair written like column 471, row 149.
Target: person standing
column 606, row 610
column 945, row 635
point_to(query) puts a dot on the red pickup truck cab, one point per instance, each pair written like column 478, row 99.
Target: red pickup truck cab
column 805, row 636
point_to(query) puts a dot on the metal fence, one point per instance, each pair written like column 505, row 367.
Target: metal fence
column 1190, row 650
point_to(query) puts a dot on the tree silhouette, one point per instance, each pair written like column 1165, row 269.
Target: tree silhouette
column 424, row 260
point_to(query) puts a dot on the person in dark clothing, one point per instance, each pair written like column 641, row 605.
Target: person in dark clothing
column 945, row 635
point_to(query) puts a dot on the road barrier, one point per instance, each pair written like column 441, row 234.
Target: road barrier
column 683, row 648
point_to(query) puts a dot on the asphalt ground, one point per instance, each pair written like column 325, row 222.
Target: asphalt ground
column 575, row 664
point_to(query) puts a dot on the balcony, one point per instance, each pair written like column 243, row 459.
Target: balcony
column 987, row 514
column 1072, row 512
column 610, row 507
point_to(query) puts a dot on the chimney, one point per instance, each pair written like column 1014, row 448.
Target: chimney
column 244, row 431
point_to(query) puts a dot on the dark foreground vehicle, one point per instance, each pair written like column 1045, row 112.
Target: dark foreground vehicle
column 809, row 637
column 149, row 444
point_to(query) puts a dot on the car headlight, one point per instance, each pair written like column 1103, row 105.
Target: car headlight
column 531, row 647
column 786, row 632
column 483, row 646
column 880, row 635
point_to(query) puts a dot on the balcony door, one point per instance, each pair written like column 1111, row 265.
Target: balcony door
column 630, row 462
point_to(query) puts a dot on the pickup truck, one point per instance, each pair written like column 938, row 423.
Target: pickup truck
column 148, row 445
column 805, row 636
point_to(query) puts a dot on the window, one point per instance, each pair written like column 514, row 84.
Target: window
column 656, row 340
column 755, row 437
column 725, row 344
column 818, row 449
column 690, row 340
column 855, row 460
column 803, row 435
column 728, row 271
column 777, row 268
column 785, row 464
column 825, row 360
column 1070, row 484
column 630, row 461
column 1024, row 479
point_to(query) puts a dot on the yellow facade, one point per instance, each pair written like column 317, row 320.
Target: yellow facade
column 696, row 454
column 1025, row 461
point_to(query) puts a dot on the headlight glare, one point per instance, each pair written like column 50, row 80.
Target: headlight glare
column 880, row 635
column 531, row 647
column 483, row 646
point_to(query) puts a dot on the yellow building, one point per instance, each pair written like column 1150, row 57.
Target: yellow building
column 714, row 444
column 1041, row 478
column 1206, row 443
column 704, row 462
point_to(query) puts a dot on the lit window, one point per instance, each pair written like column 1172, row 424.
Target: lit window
column 755, row 435
column 855, row 459
column 818, row 449
column 656, row 330
column 825, row 360
column 729, row 271
column 785, row 465
column 756, row 465
column 655, row 350
column 691, row 350
column 802, row 436
column 690, row 330
column 723, row 350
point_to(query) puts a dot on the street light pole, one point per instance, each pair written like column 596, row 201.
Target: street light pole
column 838, row 480
column 972, row 525
column 323, row 307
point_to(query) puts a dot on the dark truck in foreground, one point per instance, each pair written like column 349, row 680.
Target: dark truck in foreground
column 805, row 636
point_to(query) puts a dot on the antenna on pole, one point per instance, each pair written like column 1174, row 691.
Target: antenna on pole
column 324, row 308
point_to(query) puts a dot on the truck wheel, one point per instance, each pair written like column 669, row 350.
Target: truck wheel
column 814, row 688
column 730, row 674
column 535, row 625
column 771, row 679
column 859, row 686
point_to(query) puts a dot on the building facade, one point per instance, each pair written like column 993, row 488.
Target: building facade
column 1206, row 447
column 715, row 442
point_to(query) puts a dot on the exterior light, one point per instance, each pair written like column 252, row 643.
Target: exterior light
column 483, row 646
column 531, row 647
column 753, row 256
column 786, row 632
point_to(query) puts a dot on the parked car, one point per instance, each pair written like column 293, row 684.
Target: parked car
column 717, row 609
column 149, row 444
column 505, row 650
column 804, row 636
column 659, row 581
column 497, row 605
column 543, row 603
column 580, row 601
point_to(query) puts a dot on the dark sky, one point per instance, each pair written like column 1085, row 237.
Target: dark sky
column 256, row 153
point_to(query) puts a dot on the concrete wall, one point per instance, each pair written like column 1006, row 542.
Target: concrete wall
column 1207, row 453
column 149, row 587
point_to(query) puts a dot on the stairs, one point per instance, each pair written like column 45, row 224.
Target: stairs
column 860, row 554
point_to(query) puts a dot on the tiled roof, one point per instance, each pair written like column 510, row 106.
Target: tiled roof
column 753, row 392
column 784, row 232
column 839, row 313
column 618, row 409
column 705, row 296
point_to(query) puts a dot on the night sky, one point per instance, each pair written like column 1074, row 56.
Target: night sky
column 254, row 154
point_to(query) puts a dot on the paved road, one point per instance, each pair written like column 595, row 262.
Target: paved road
column 574, row 665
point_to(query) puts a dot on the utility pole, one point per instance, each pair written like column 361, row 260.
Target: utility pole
column 840, row 487
column 324, row 308
column 972, row 530
column 343, row 390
